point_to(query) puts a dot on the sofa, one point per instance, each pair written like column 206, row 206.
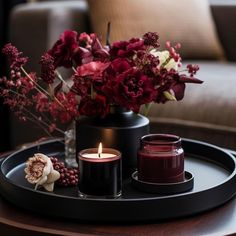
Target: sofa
column 206, row 113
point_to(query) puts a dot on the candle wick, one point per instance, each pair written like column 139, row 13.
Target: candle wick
column 99, row 154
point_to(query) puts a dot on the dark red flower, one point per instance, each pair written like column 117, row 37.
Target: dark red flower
column 189, row 79
column 151, row 39
column 97, row 106
column 120, row 65
column 82, row 56
column 47, row 68
column 92, row 51
column 64, row 49
column 126, row 48
column 94, row 68
column 81, row 85
column 41, row 102
column 99, row 52
column 85, row 40
column 132, row 89
column 127, row 74
column 192, row 69
column 14, row 57
column 66, row 109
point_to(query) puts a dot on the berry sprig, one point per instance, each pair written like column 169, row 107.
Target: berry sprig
column 68, row 176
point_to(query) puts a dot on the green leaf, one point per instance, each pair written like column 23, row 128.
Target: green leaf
column 169, row 96
column 147, row 108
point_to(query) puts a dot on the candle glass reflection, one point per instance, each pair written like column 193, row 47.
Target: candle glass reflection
column 100, row 173
column 161, row 159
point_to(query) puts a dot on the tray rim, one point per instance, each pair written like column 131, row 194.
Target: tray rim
column 149, row 199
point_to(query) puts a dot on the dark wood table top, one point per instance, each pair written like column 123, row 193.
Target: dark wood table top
column 220, row 221
column 15, row 221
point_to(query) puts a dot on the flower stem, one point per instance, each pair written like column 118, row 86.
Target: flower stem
column 73, row 68
column 62, row 80
column 147, row 108
column 37, row 121
column 38, row 87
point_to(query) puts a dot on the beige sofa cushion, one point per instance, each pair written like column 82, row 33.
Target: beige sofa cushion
column 186, row 21
column 207, row 111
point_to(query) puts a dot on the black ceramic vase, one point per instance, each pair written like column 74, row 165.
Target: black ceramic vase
column 120, row 129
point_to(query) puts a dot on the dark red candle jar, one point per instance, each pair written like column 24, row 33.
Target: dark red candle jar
column 161, row 159
column 100, row 174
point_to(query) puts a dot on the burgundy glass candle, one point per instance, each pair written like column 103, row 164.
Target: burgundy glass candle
column 100, row 174
column 161, row 159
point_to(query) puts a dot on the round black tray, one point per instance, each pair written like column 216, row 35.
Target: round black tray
column 214, row 173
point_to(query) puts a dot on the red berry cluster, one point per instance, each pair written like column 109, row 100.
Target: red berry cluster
column 68, row 176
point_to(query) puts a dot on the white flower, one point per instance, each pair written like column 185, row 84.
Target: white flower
column 39, row 170
column 163, row 57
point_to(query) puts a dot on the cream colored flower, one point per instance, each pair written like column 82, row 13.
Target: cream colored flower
column 39, row 170
column 164, row 57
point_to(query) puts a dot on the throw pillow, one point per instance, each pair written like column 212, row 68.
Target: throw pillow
column 186, row 21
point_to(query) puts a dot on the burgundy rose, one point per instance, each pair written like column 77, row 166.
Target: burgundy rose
column 135, row 44
column 93, row 51
column 97, row 106
column 126, row 49
column 87, row 75
column 82, row 56
column 109, row 80
column 63, row 50
column 132, row 89
column 118, row 48
column 99, row 52
column 94, row 68
column 120, row 65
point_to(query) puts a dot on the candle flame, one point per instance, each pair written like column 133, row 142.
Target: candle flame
column 99, row 149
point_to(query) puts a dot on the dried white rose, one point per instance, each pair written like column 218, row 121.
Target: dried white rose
column 163, row 57
column 39, row 170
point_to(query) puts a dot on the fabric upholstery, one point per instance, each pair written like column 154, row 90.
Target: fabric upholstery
column 224, row 13
column 184, row 21
column 207, row 112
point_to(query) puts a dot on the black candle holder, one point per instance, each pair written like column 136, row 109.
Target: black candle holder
column 100, row 175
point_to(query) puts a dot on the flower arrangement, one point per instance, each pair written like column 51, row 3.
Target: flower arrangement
column 127, row 73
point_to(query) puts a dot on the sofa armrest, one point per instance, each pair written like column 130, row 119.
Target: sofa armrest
column 224, row 14
column 34, row 27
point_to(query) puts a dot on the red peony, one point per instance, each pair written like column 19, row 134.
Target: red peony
column 131, row 89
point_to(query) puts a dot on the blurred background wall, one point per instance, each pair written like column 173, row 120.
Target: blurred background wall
column 5, row 8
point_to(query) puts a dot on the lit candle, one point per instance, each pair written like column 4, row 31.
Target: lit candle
column 99, row 154
column 100, row 172
column 161, row 159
